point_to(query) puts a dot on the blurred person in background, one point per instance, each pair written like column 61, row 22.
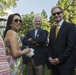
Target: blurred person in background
column 4, row 65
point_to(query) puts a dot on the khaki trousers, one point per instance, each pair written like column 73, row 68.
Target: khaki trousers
column 33, row 69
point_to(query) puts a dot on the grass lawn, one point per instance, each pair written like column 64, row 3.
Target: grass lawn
column 47, row 71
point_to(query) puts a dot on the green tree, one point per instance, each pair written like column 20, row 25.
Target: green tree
column 69, row 7
column 43, row 13
column 45, row 23
column 28, row 23
column 4, row 4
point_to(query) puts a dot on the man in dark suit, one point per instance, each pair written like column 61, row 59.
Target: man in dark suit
column 61, row 44
column 36, row 39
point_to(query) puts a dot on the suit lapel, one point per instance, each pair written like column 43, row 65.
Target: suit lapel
column 59, row 33
column 33, row 33
column 61, row 29
column 53, row 34
column 38, row 32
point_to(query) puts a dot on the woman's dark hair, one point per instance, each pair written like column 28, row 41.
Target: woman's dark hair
column 9, row 21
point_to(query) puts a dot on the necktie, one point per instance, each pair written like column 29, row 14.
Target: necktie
column 57, row 29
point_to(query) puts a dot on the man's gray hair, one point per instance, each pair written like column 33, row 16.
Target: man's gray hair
column 37, row 17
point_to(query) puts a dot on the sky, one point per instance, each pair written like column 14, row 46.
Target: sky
column 27, row 6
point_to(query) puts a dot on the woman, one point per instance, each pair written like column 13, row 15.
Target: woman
column 13, row 44
column 4, row 65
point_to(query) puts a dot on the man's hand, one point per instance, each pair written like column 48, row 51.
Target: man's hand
column 54, row 61
column 51, row 60
column 30, row 39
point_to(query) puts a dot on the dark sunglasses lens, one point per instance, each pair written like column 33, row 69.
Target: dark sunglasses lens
column 20, row 21
column 16, row 20
column 53, row 14
column 58, row 13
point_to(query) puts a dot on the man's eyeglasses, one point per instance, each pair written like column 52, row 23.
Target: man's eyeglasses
column 17, row 20
column 58, row 13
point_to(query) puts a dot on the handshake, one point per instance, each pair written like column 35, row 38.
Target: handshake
column 31, row 53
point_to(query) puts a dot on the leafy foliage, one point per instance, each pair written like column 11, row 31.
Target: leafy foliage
column 4, row 4
column 69, row 7
column 43, row 13
column 28, row 23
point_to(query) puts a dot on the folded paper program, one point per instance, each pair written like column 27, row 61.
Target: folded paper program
column 31, row 53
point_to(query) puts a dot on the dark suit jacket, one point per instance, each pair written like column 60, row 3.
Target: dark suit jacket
column 75, row 47
column 38, row 43
column 63, row 46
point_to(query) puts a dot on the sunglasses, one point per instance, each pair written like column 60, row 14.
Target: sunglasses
column 17, row 20
column 57, row 13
